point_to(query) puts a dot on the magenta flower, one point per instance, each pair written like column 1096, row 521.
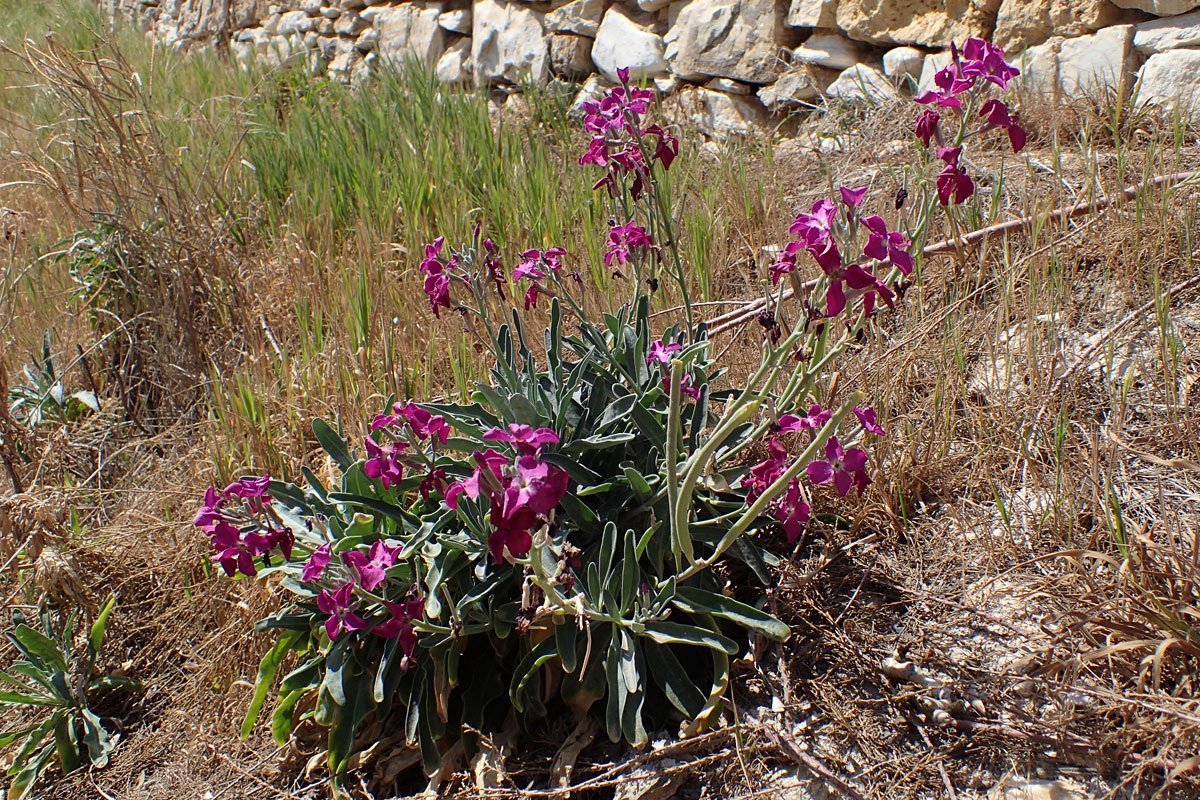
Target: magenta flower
column 489, row 470
column 399, row 623
column 340, row 609
column 537, row 485
column 435, row 481
column 883, row 245
column 524, row 437
column 666, row 147
column 791, row 511
column 249, row 488
column 209, row 513
column 685, row 387
column 950, row 84
column 996, row 114
column 785, row 262
column 866, row 416
column 816, row 418
column 846, row 468
column 622, row 239
column 424, row 423
column 316, row 564
column 234, row 552
column 661, row 353
column 952, row 181
column 371, row 566
column 815, row 228
column 384, row 462
column 982, row 59
column 765, row 472
column 852, row 198
column 281, row 538
column 927, row 126
column 437, row 281
column 511, row 531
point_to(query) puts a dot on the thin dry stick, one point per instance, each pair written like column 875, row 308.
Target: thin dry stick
column 747, row 312
column 809, row 762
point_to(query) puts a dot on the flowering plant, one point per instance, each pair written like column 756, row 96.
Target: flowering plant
column 556, row 535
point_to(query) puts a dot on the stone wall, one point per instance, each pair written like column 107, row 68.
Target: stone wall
column 734, row 63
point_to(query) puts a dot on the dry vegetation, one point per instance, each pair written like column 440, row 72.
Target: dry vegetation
column 222, row 257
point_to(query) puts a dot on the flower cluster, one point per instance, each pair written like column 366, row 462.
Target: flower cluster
column 535, row 266
column 845, row 468
column 979, row 63
column 237, row 547
column 521, row 491
column 386, row 459
column 661, row 354
column 620, row 144
column 816, row 232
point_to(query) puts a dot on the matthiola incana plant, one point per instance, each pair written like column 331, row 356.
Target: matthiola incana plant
column 550, row 544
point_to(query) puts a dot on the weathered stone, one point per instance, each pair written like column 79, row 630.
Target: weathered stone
column 813, row 14
column 571, row 56
column 330, row 47
column 350, row 24
column 455, row 64
column 310, row 7
column 341, row 67
column 728, row 86
column 1022, row 23
column 331, row 12
column 723, row 39
column 579, row 16
column 1160, row 35
column 1171, row 81
column 622, row 43
column 934, row 63
column 591, row 91
column 325, row 27
column 1160, row 8
column 863, row 82
column 1082, row 66
column 903, row 62
column 367, row 41
column 353, row 5
column 930, row 23
column 1015, row 788
column 295, row 22
column 828, row 50
column 201, row 19
column 247, row 13
column 457, row 20
column 408, row 31
column 508, row 43
column 793, row 89
column 718, row 114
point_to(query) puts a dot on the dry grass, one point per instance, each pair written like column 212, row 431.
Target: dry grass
column 1045, row 576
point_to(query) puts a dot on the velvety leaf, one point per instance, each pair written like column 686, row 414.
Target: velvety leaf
column 674, row 680
column 332, row 443
column 24, row 779
column 532, row 661
column 348, row 715
column 565, row 635
column 38, row 647
column 677, row 633
column 699, row 601
column 99, row 742
column 267, row 668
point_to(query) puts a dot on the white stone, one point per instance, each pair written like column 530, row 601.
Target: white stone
column 455, row 64
column 310, row 7
column 652, row 5
column 331, row 12
column 903, row 62
column 828, row 50
column 791, row 90
column 367, row 41
column 408, row 31
column 508, row 43
column 457, row 21
column 933, row 64
column 741, row 39
column 622, row 43
column 1171, row 81
column 813, row 14
column 350, row 25
column 581, row 17
column 1160, row 35
column 1160, row 8
column 728, row 86
column 295, row 22
column 863, row 82
column 719, row 114
column 1083, row 65
column 591, row 91
column 341, row 67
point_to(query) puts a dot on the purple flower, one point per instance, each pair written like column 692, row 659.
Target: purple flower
column 791, row 511
column 815, row 228
column 209, row 513
column 511, row 531
column 662, row 352
column 852, row 198
column 399, row 623
column 424, row 423
column 866, row 416
column 996, row 114
column 488, row 463
column 371, row 566
column 765, row 472
column 316, row 564
column 528, row 268
column 384, row 462
column 435, row 481
column 666, row 147
column 340, row 609
column 927, row 126
column 437, row 282
column 526, row 439
column 537, row 485
column 982, row 59
column 952, row 181
column 685, row 387
column 950, row 83
column 846, row 468
column 816, row 418
column 624, row 238
column 883, row 245
column 785, row 263
column 248, row 488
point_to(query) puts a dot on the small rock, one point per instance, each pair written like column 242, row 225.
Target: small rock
column 1160, row 8
column 667, row 84
column 341, row 67
column 813, row 14
column 728, row 86
column 294, row 22
column 508, row 43
column 592, row 90
column 408, row 31
column 647, row 783
column 455, row 64
column 580, row 17
column 622, row 43
column 350, row 25
column 791, row 90
column 719, row 114
column 1083, row 65
column 903, row 62
column 1022, row 789
column 1160, row 35
column 325, row 27
column 570, row 55
column 1022, row 23
column 1170, row 81
column 310, row 7
column 828, row 50
column 332, row 12
column 456, row 21
column 934, row 63
column 863, row 83
column 928, row 23
column 720, row 39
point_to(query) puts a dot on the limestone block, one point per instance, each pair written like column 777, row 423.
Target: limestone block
column 739, row 39
column 623, row 43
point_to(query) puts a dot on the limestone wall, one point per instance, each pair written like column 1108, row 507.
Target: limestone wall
column 735, row 61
